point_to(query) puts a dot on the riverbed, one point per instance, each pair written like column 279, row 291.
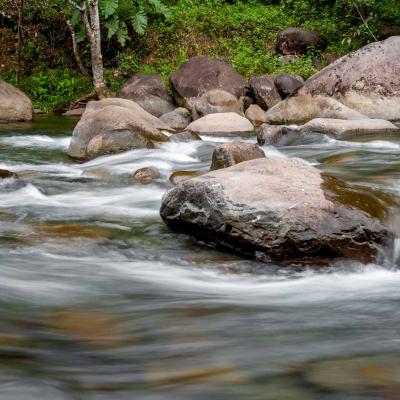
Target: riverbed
column 100, row 300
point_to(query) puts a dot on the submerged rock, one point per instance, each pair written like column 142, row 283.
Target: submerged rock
column 303, row 108
column 222, row 124
column 227, row 154
column 277, row 135
column 341, row 129
column 367, row 80
column 272, row 209
column 6, row 174
column 150, row 92
column 146, row 175
column 256, row 115
column 98, row 120
column 14, row 104
column 200, row 74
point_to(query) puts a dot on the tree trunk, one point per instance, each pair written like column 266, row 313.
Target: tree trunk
column 94, row 36
column 75, row 49
column 20, row 22
column 89, row 10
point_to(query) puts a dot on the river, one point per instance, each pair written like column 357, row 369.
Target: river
column 100, row 300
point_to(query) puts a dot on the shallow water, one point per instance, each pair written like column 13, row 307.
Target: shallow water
column 99, row 300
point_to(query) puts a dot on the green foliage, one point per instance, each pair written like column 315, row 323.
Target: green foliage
column 52, row 90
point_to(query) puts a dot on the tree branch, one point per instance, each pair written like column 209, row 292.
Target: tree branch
column 79, row 8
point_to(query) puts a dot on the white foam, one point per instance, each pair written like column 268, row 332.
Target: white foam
column 37, row 141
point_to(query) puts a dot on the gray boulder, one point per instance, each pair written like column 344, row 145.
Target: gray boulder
column 185, row 136
column 178, row 119
column 222, row 124
column 256, row 115
column 146, row 175
column 131, row 106
column 367, row 80
column 264, row 91
column 277, row 135
column 272, row 209
column 149, row 92
column 217, row 101
column 297, row 41
column 227, row 154
column 14, row 104
column 200, row 74
column 107, row 119
column 288, row 84
column 303, row 108
column 116, row 142
column 342, row 129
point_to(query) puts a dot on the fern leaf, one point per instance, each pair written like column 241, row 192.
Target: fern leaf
column 108, row 7
column 139, row 21
column 122, row 33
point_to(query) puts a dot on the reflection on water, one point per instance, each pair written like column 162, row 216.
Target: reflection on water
column 99, row 300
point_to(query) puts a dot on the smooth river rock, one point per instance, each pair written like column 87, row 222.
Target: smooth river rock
column 110, row 119
column 200, row 74
column 303, row 108
column 222, row 124
column 227, row 154
column 150, row 92
column 264, row 91
column 256, row 115
column 367, row 80
column 178, row 119
column 14, row 104
column 272, row 209
column 341, row 129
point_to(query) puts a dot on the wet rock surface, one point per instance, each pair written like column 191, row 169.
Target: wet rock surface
column 185, row 136
column 181, row 176
column 272, row 209
column 341, row 129
column 145, row 175
column 100, row 119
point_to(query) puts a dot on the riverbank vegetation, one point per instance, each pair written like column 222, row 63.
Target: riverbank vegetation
column 157, row 39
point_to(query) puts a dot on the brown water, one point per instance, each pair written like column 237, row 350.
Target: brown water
column 99, row 300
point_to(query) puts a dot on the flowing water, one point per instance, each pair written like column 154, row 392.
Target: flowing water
column 100, row 300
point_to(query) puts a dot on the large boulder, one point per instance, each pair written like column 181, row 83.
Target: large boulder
column 367, row 80
column 222, row 124
column 297, row 41
column 303, row 108
column 14, row 104
column 227, row 154
column 178, row 119
column 273, row 209
column 217, row 101
column 116, row 142
column 149, row 92
column 342, row 129
column 106, row 119
column 287, row 84
column 256, row 115
column 131, row 106
column 185, row 136
column 200, row 74
column 264, row 91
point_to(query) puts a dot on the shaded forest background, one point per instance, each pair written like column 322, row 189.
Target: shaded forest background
column 242, row 32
